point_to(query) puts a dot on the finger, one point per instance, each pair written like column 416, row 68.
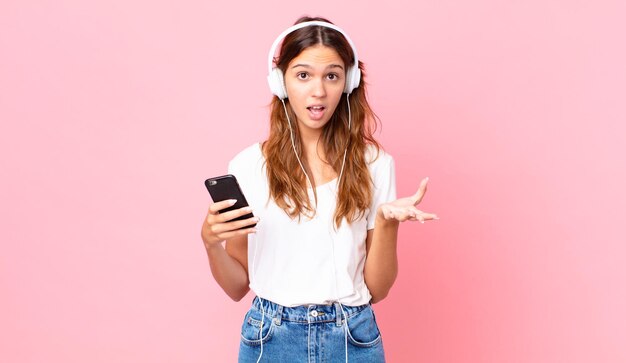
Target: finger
column 422, row 217
column 405, row 215
column 429, row 216
column 234, row 225
column 238, row 232
column 401, row 214
column 413, row 213
column 218, row 206
column 227, row 216
column 417, row 197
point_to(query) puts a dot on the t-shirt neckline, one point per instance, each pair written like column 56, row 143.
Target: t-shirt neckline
column 326, row 184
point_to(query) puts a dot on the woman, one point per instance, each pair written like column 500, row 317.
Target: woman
column 323, row 197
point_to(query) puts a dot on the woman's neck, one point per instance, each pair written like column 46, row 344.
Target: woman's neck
column 316, row 164
column 310, row 143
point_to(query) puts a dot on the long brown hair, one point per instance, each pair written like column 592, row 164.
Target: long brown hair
column 287, row 182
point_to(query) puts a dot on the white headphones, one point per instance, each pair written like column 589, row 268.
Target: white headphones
column 276, row 79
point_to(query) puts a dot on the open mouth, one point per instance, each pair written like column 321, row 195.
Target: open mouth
column 316, row 112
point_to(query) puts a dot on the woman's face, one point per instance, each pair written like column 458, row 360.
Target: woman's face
column 315, row 81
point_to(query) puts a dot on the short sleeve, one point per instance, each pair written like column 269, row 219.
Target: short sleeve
column 245, row 161
column 232, row 168
column 383, row 175
column 247, row 168
column 235, row 168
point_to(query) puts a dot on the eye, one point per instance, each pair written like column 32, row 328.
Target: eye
column 302, row 75
column 333, row 76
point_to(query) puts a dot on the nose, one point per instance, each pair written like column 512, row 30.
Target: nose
column 319, row 89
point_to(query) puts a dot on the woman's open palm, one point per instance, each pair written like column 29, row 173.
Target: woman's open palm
column 404, row 209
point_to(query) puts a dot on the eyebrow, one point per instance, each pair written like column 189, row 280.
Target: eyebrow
column 308, row 66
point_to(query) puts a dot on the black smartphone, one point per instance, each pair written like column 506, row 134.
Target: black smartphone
column 226, row 187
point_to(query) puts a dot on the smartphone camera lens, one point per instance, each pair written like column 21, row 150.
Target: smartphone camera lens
column 212, row 182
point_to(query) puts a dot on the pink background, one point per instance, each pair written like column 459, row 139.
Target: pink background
column 113, row 113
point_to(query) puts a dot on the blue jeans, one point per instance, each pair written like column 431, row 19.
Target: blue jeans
column 310, row 334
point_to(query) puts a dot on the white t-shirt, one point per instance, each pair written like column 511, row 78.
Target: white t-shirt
column 293, row 262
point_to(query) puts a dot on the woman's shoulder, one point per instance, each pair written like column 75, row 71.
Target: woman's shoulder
column 376, row 157
column 247, row 158
column 249, row 154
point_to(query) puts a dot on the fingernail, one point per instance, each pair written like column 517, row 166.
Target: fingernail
column 435, row 217
column 422, row 222
column 232, row 201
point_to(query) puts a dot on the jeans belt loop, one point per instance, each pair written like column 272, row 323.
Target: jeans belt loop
column 338, row 313
column 278, row 317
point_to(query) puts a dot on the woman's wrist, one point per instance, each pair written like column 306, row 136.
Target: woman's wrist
column 213, row 246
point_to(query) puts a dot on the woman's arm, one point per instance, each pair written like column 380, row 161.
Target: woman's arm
column 381, row 263
column 229, row 266
column 229, row 263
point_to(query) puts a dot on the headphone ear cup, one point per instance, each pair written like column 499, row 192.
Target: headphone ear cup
column 353, row 79
column 276, row 81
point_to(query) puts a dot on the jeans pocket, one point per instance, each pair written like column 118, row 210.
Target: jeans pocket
column 362, row 329
column 256, row 328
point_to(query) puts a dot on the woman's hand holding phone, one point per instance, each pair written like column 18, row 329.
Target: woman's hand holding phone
column 218, row 227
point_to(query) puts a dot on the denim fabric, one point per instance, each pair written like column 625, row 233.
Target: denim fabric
column 310, row 334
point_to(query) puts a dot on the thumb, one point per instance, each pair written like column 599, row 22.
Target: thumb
column 417, row 197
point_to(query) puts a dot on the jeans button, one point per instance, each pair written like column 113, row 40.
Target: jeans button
column 314, row 313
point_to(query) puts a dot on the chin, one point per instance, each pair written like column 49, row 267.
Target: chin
column 316, row 124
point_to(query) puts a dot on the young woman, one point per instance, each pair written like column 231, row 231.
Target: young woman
column 324, row 202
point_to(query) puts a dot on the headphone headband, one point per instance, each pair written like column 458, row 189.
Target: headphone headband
column 270, row 57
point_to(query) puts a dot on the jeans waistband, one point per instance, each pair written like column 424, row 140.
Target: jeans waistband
column 305, row 314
